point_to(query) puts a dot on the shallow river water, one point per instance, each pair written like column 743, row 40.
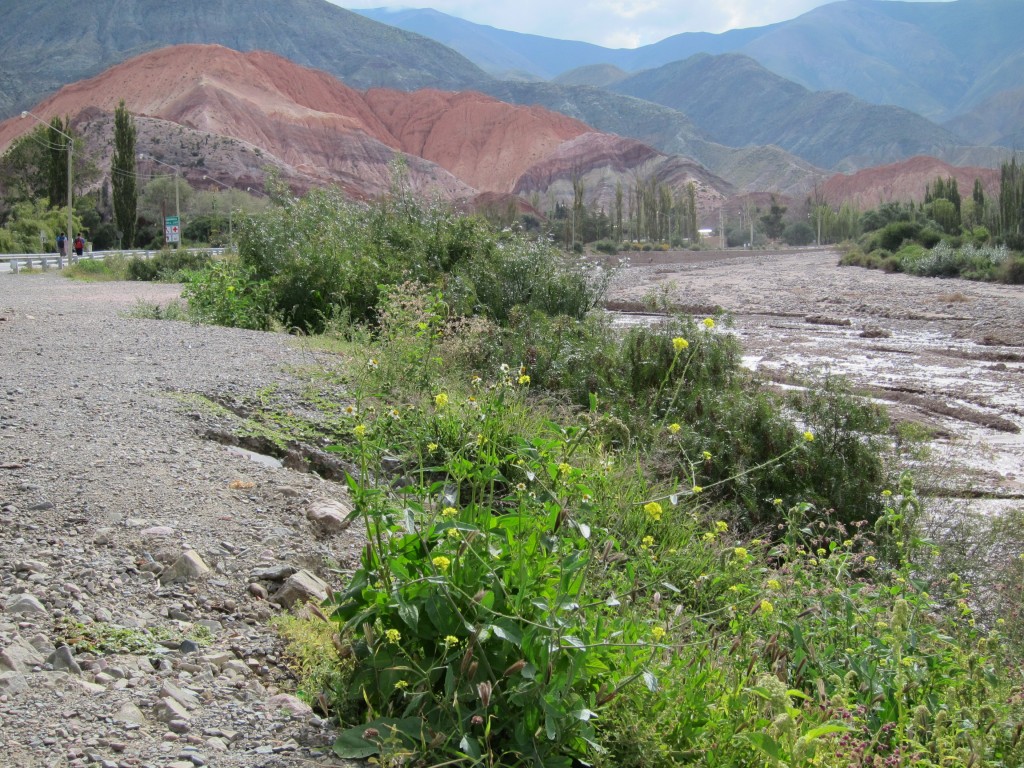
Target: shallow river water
column 945, row 354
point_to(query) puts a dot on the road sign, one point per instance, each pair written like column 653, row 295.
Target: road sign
column 172, row 229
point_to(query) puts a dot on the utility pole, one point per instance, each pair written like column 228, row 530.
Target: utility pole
column 231, row 236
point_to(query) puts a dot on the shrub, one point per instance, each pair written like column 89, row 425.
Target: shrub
column 606, row 246
column 169, row 265
column 1012, row 270
column 228, row 294
column 892, row 236
column 323, row 256
column 798, row 233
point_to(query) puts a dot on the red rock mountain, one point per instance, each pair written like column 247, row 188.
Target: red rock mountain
column 903, row 182
column 210, row 109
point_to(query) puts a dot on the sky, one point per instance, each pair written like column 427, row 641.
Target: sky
column 612, row 23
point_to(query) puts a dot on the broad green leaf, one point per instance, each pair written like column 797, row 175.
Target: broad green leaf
column 765, row 743
column 824, row 730
column 507, row 631
column 351, row 744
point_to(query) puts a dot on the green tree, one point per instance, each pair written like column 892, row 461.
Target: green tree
column 57, row 168
column 577, row 208
column 978, row 194
column 945, row 214
column 24, row 168
column 1011, row 198
column 772, row 222
column 157, row 199
column 691, row 211
column 32, row 227
column 618, row 211
column 122, row 175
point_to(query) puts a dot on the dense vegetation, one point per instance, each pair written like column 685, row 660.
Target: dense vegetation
column 602, row 546
column 948, row 235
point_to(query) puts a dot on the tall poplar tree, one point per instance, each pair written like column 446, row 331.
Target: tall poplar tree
column 58, row 162
column 122, row 172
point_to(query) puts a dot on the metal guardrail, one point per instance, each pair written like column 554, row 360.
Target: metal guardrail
column 15, row 262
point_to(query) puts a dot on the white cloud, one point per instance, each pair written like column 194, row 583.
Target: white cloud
column 614, row 23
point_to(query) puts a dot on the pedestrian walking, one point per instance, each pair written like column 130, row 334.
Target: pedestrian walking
column 62, row 244
column 79, row 245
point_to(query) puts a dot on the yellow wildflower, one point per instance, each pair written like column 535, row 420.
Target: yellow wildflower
column 657, row 633
column 564, row 469
column 441, row 562
column 721, row 526
column 679, row 344
column 449, row 512
column 392, row 636
column 697, row 489
column 709, row 323
column 674, row 428
column 774, row 584
column 653, row 510
column 766, row 608
column 431, row 447
column 441, row 400
column 359, row 430
column 809, row 437
column 740, row 552
column 450, row 640
column 647, row 541
column 524, row 380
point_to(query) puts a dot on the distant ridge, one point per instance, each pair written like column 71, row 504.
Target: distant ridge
column 37, row 56
column 938, row 59
column 210, row 109
column 903, row 182
column 737, row 102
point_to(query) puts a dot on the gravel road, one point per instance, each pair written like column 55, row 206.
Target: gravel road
column 105, row 482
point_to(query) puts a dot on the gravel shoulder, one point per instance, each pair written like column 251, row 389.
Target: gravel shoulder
column 105, row 482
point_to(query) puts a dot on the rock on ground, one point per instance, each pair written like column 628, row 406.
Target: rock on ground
column 106, row 483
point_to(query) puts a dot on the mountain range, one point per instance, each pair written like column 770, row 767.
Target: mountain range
column 695, row 107
column 936, row 59
column 210, row 110
column 39, row 53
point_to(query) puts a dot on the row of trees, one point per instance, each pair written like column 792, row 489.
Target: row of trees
column 125, row 209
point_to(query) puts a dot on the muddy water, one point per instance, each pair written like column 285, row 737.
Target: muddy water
column 945, row 354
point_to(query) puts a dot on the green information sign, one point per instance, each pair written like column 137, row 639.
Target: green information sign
column 172, row 229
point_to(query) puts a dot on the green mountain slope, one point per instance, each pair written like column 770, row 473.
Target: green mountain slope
column 736, row 101
column 45, row 44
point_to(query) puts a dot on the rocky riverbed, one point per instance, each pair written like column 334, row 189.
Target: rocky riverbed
column 946, row 354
